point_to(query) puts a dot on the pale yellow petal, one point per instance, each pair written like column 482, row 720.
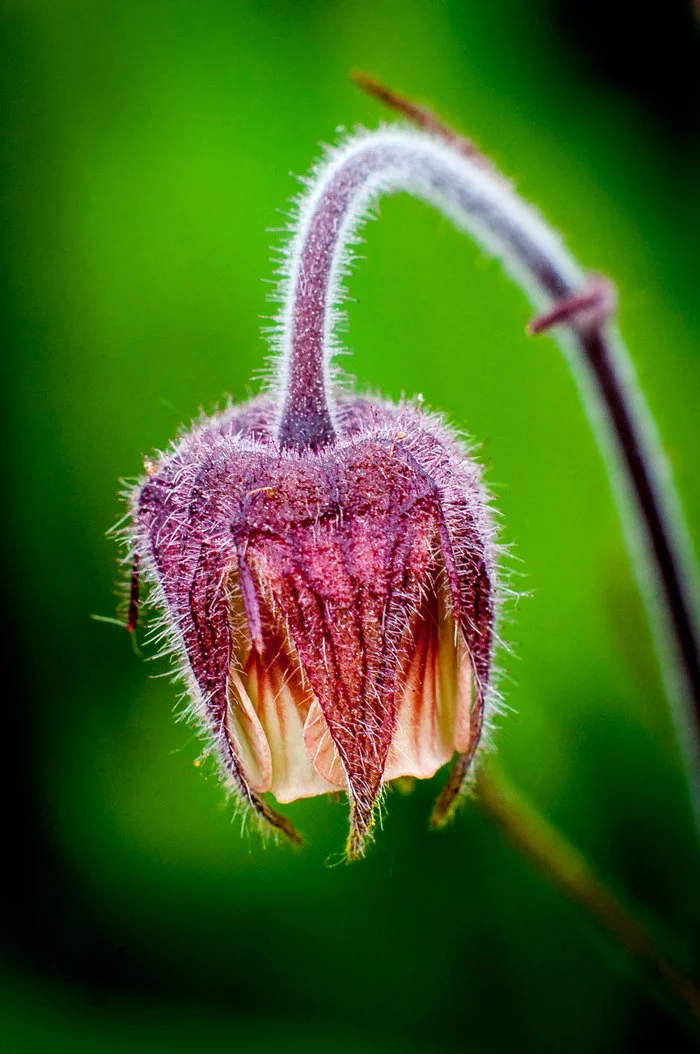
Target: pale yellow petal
column 282, row 706
column 434, row 700
column 321, row 750
column 248, row 736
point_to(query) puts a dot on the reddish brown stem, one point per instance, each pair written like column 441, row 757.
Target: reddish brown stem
column 644, row 480
column 133, row 613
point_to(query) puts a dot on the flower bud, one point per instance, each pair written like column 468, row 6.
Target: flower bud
column 324, row 564
column 334, row 606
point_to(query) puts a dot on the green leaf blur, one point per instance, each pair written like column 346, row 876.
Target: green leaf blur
column 146, row 153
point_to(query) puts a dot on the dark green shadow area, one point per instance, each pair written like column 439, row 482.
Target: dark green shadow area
column 145, row 153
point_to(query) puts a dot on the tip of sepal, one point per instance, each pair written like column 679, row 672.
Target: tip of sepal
column 362, row 821
column 461, row 777
column 452, row 794
column 274, row 822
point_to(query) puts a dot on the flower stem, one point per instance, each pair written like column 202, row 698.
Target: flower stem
column 567, row 868
column 647, row 500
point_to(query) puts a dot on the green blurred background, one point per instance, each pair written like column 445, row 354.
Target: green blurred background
column 147, row 149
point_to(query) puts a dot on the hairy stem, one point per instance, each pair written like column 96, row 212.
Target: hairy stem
column 568, row 869
column 444, row 170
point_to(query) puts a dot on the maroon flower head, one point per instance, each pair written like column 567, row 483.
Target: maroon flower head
column 324, row 563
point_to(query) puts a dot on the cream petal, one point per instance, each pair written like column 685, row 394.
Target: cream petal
column 248, row 736
column 321, row 750
column 455, row 685
column 433, row 707
column 268, row 706
column 282, row 705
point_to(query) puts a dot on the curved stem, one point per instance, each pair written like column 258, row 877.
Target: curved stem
column 568, row 869
column 445, row 171
column 341, row 191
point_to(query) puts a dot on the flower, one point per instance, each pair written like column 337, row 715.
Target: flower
column 324, row 562
column 333, row 607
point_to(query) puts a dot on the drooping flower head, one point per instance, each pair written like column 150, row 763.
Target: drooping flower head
column 324, row 562
column 334, row 604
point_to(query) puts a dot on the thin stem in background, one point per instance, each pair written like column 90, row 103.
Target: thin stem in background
column 441, row 168
column 444, row 170
column 658, row 538
column 650, row 509
column 564, row 866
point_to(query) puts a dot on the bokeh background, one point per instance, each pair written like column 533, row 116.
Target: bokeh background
column 146, row 150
